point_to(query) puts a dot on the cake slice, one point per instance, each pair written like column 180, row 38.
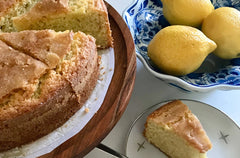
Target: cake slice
column 88, row 16
column 46, row 76
column 177, row 132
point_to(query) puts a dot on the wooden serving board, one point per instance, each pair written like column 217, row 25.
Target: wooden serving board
column 116, row 99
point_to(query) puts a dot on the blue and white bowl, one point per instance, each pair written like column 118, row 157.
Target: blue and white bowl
column 145, row 18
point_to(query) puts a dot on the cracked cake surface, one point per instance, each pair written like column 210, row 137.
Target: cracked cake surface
column 43, row 83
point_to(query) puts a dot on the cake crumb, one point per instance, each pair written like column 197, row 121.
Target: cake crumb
column 86, row 110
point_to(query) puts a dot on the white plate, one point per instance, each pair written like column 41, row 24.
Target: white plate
column 222, row 131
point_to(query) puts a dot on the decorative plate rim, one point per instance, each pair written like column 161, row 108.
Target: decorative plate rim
column 187, row 86
column 139, row 116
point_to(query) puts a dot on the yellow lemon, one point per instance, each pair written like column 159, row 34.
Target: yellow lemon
column 223, row 27
column 179, row 50
column 186, row 12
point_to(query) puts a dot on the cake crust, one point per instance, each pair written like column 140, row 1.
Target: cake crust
column 14, row 61
column 47, row 7
column 44, row 45
column 6, row 5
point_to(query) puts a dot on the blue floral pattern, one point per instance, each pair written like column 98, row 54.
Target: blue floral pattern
column 145, row 18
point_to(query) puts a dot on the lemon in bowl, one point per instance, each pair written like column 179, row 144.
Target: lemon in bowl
column 145, row 19
column 179, row 50
column 186, row 12
column 223, row 27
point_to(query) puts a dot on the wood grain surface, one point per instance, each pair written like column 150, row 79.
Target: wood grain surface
column 117, row 97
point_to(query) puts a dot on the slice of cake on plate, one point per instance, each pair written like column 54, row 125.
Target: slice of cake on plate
column 46, row 76
column 177, row 132
column 88, row 16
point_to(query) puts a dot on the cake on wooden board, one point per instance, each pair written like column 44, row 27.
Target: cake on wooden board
column 88, row 16
column 46, row 76
column 177, row 132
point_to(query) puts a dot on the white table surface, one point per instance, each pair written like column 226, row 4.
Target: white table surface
column 149, row 90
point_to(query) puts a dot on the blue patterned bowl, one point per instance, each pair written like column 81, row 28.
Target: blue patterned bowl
column 145, row 18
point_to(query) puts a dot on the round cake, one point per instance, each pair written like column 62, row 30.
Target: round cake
column 46, row 76
column 49, row 63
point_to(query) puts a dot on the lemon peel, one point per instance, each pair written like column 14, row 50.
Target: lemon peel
column 186, row 12
column 179, row 50
column 223, row 27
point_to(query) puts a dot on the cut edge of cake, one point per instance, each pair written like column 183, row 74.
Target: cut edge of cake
column 90, row 17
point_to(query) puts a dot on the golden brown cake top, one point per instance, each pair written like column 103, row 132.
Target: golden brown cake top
column 45, row 45
column 176, row 115
column 6, row 4
column 99, row 5
column 55, row 7
column 45, row 7
column 26, row 56
column 17, row 70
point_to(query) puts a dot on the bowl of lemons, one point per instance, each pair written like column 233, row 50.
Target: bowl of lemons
column 192, row 45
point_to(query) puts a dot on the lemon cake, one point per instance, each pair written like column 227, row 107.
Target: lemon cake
column 177, row 132
column 88, row 16
column 46, row 76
